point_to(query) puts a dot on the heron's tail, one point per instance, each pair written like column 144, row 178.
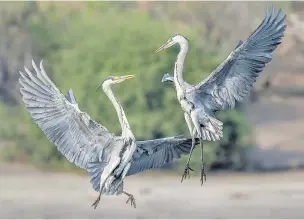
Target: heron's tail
column 212, row 129
column 114, row 186
column 101, row 173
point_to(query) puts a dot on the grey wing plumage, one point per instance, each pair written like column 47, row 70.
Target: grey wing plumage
column 71, row 98
column 158, row 152
column 233, row 79
column 75, row 134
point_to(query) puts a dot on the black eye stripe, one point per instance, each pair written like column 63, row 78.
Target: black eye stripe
column 174, row 35
column 109, row 77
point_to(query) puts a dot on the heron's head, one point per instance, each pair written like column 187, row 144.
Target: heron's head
column 174, row 39
column 167, row 78
column 110, row 80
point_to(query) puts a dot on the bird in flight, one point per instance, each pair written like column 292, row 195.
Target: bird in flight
column 107, row 158
column 231, row 81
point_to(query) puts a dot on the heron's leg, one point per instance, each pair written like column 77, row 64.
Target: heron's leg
column 203, row 175
column 131, row 199
column 95, row 204
column 113, row 163
column 192, row 132
column 187, row 167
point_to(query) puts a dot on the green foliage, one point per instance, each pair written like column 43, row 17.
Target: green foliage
column 15, row 44
column 82, row 49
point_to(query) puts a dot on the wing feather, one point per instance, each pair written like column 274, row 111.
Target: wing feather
column 158, row 152
column 75, row 134
column 232, row 80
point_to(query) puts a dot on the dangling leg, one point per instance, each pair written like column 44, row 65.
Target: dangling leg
column 196, row 116
column 187, row 167
column 192, row 132
column 95, row 204
column 203, row 175
column 131, row 199
column 113, row 163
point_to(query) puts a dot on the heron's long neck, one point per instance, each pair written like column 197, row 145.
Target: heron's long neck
column 178, row 68
column 125, row 126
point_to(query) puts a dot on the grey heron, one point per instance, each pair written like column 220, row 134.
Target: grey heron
column 89, row 145
column 231, row 81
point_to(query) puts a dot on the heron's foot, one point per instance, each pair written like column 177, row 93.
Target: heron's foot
column 95, row 204
column 131, row 199
column 186, row 172
column 203, row 174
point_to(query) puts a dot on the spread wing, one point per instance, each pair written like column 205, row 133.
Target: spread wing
column 158, row 152
column 233, row 79
column 75, row 134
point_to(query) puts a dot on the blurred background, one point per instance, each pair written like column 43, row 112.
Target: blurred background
column 81, row 43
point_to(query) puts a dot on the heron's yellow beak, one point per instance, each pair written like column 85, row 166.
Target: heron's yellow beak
column 119, row 79
column 166, row 45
